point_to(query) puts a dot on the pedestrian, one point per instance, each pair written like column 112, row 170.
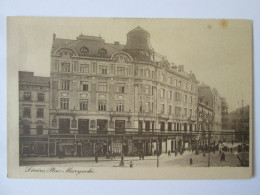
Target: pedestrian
column 231, row 149
column 204, row 154
column 96, row 158
column 190, row 161
column 131, row 164
column 175, row 153
column 122, row 163
column 169, row 153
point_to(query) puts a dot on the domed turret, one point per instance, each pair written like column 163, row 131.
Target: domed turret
column 138, row 44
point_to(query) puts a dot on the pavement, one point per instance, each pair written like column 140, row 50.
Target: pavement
column 149, row 161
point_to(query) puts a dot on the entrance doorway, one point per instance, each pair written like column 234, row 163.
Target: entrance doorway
column 119, row 126
column 83, row 126
column 64, row 126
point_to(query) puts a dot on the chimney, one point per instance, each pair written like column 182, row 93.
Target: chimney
column 54, row 36
column 116, row 43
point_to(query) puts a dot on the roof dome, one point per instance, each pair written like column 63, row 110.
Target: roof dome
column 138, row 44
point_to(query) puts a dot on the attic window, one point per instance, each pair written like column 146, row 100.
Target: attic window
column 102, row 52
column 84, row 51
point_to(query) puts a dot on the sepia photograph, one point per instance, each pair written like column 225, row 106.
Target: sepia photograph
column 120, row 98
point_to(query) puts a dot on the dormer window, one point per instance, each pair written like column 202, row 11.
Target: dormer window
column 102, row 52
column 84, row 51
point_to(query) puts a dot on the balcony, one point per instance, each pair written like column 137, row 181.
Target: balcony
column 163, row 116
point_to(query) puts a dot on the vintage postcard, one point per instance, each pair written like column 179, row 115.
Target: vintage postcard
column 121, row 98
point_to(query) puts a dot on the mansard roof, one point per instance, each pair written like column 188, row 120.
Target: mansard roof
column 92, row 45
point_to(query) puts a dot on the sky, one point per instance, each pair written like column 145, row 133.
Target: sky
column 219, row 52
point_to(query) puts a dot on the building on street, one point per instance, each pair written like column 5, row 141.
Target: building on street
column 33, row 113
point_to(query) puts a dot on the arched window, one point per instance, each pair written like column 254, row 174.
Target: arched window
column 102, row 52
column 84, row 51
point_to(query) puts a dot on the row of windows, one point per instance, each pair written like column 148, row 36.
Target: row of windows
column 27, row 112
column 177, row 83
column 102, row 69
column 146, row 73
column 178, row 110
column 85, row 86
column 26, row 129
column 177, row 96
column 124, row 71
column 102, row 104
column 171, row 126
column 27, row 96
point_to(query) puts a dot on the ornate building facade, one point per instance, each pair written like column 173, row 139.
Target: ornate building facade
column 118, row 98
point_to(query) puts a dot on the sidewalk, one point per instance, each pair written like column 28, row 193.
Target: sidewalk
column 69, row 159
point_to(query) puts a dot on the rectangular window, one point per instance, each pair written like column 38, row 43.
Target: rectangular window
column 190, row 112
column 162, row 126
column 27, row 96
column 191, row 99
column 65, row 67
column 176, row 82
column 103, row 69
column 177, row 111
column 162, row 108
column 169, row 95
column 119, row 106
column 120, row 87
column 102, row 105
column 94, row 67
column 102, row 87
column 169, row 126
column 121, row 71
column 75, row 66
column 185, row 112
column 64, row 103
column 39, row 129
column 40, row 97
column 84, row 85
column 26, row 129
column 178, row 96
column 84, row 68
column 162, row 93
column 65, row 84
column 152, row 74
column 148, row 73
column 147, row 89
column 191, row 88
column 27, row 112
column 179, row 84
column 40, row 113
column 185, row 98
column 141, row 106
column 147, row 125
column 141, row 72
column 169, row 109
column 83, row 104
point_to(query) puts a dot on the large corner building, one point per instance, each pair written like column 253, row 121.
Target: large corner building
column 110, row 97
